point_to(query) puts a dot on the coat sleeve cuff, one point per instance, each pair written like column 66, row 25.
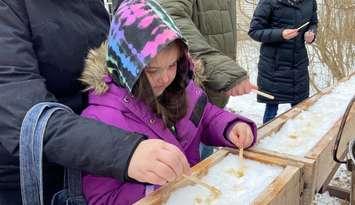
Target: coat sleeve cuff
column 246, row 120
column 221, row 133
column 123, row 160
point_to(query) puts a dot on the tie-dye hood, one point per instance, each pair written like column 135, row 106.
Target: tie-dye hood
column 139, row 30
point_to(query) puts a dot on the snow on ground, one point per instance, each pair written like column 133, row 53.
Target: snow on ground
column 326, row 199
column 247, row 106
column 342, row 178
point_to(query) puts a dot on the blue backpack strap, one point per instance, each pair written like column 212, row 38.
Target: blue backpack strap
column 31, row 148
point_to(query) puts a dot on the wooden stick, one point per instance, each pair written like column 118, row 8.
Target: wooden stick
column 241, row 158
column 240, row 171
column 305, row 24
column 198, row 181
column 263, row 94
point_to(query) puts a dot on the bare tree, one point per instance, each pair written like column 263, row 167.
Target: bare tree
column 336, row 36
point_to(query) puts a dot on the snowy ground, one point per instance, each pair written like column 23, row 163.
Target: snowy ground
column 247, row 57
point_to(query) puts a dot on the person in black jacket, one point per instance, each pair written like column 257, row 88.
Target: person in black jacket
column 43, row 47
column 283, row 62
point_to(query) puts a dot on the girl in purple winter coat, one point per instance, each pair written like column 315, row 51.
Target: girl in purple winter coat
column 145, row 85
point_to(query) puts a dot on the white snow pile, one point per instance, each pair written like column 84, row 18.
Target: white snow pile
column 235, row 189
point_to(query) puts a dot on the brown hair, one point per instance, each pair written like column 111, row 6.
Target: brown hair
column 171, row 105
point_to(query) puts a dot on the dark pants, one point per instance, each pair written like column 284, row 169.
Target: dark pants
column 271, row 111
column 10, row 197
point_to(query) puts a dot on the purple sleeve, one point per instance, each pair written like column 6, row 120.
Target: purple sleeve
column 106, row 190
column 216, row 123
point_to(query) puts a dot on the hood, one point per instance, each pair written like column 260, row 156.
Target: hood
column 95, row 71
column 95, row 74
column 139, row 30
column 126, row 54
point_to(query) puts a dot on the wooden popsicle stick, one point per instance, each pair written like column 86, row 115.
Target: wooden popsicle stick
column 198, row 181
column 241, row 159
column 305, row 24
column 263, row 94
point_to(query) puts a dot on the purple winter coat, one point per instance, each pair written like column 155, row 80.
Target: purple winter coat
column 116, row 107
column 139, row 30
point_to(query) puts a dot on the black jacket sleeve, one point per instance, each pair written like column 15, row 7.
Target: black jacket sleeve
column 70, row 140
column 260, row 27
column 314, row 19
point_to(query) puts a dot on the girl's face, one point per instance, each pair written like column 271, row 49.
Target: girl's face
column 161, row 70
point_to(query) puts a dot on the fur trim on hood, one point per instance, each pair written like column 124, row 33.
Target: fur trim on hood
column 95, row 71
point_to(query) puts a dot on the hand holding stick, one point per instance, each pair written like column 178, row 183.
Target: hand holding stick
column 263, row 94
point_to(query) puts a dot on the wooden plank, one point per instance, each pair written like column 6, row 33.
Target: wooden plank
column 308, row 170
column 286, row 187
column 267, row 159
column 338, row 192
column 323, row 151
column 329, row 179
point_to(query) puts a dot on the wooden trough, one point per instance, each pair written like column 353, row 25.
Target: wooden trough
column 318, row 162
column 285, row 188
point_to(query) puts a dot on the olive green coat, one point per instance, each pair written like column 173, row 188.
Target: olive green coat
column 210, row 28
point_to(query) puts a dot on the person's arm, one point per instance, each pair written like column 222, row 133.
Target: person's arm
column 313, row 23
column 314, row 19
column 70, row 140
column 222, row 72
column 260, row 27
column 218, row 123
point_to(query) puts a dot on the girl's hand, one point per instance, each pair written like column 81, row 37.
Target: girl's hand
column 157, row 162
column 241, row 135
column 309, row 37
column 288, row 34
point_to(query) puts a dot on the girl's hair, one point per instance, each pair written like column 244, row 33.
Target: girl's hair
column 171, row 105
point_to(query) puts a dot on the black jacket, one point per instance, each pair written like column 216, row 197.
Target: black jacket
column 283, row 64
column 43, row 44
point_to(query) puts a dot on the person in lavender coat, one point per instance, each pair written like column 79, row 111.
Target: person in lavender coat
column 145, row 85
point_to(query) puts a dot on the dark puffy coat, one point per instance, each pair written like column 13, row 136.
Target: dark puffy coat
column 283, row 64
column 43, row 47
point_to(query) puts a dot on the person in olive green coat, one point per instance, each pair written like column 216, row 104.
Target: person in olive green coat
column 210, row 29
